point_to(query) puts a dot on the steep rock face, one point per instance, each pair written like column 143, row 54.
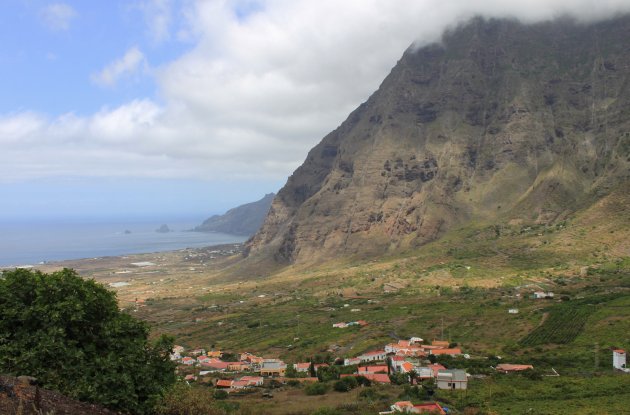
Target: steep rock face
column 241, row 220
column 499, row 121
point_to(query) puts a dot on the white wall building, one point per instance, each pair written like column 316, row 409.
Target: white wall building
column 619, row 359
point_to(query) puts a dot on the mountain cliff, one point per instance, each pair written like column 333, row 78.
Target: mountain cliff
column 242, row 220
column 500, row 122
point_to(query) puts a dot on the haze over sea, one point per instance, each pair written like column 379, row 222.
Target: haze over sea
column 33, row 242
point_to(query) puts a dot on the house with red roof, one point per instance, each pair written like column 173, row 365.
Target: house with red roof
column 302, row 367
column 188, row 361
column 224, row 383
column 364, row 370
column 253, row 380
column 451, row 352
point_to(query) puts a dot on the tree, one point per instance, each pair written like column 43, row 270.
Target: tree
column 69, row 333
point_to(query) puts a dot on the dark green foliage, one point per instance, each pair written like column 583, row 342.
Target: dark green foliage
column 345, row 384
column 220, row 394
column 316, row 388
column 69, row 333
column 326, row 373
column 562, row 326
column 399, row 378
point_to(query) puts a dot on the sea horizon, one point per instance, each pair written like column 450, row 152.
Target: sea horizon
column 39, row 241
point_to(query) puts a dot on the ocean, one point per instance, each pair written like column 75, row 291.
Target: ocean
column 31, row 243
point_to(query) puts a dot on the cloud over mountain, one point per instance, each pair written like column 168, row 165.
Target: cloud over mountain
column 261, row 83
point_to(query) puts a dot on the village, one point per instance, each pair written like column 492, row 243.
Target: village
column 411, row 361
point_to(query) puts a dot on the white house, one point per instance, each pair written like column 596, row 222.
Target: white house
column 619, row 360
column 348, row 361
column 542, row 294
column 373, row 356
column 452, row 379
column 513, row 311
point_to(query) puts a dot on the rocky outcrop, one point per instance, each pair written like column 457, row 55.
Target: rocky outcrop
column 242, row 220
column 499, row 121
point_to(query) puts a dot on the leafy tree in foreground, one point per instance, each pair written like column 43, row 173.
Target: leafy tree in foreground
column 69, row 333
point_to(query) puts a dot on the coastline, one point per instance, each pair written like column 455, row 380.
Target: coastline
column 137, row 278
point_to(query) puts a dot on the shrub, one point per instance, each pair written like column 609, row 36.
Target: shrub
column 345, row 384
column 69, row 333
column 220, row 394
column 316, row 388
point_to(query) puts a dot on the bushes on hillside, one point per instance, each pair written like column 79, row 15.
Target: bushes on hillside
column 345, row 384
column 316, row 388
column 69, row 333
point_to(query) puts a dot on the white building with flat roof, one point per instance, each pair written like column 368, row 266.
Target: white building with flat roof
column 619, row 360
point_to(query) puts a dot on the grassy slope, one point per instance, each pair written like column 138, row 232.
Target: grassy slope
column 462, row 284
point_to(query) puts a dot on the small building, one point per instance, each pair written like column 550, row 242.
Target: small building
column 188, row 361
column 541, row 295
column 301, row 367
column 513, row 311
column 365, row 370
column 619, row 359
column 253, row 380
column 349, row 361
column 224, row 383
column 372, row 356
column 424, row 373
column 452, row 379
column 273, row 367
column 215, row 353
column 440, row 343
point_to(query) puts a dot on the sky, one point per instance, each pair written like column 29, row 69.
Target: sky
column 191, row 107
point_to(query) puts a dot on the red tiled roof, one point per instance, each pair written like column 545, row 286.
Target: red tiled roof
column 432, row 407
column 436, row 367
column 373, row 369
column 224, row 383
column 378, row 377
column 408, row 367
column 619, row 351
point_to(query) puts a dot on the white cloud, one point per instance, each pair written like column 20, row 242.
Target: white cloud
column 131, row 63
column 158, row 18
column 58, row 16
column 255, row 93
